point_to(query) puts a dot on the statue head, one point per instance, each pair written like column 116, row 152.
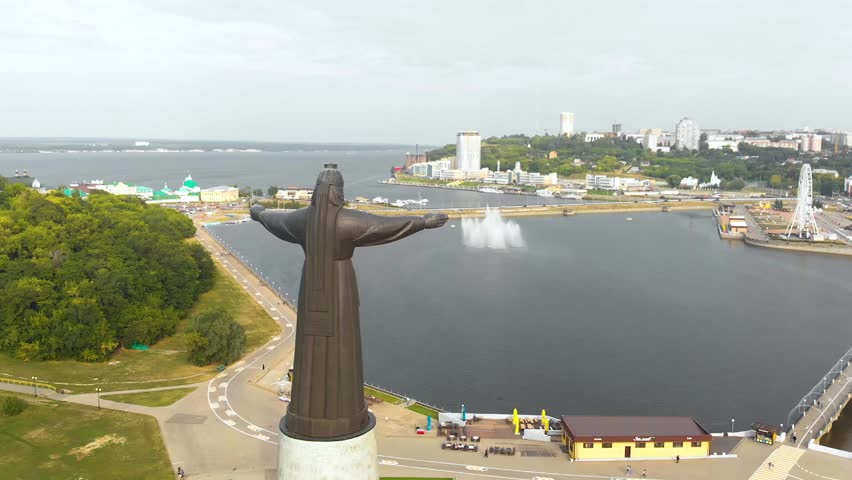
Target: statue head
column 329, row 187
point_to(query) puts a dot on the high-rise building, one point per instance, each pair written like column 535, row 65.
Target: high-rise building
column 616, row 129
column 687, row 134
column 566, row 124
column 468, row 147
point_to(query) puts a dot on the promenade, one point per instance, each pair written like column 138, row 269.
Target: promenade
column 811, row 418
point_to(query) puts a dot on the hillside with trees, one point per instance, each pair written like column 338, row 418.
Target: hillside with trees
column 767, row 166
column 80, row 277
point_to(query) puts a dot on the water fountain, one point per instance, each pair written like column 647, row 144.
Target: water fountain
column 491, row 232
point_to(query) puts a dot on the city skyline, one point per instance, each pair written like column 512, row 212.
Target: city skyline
column 380, row 73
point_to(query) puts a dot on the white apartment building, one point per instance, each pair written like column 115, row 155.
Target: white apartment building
column 591, row 137
column 566, row 123
column 687, row 134
column 430, row 169
column 649, row 141
column 468, row 150
column 847, row 186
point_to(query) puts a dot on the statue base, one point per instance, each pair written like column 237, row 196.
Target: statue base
column 353, row 458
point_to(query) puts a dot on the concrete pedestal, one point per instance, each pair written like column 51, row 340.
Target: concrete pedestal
column 354, row 458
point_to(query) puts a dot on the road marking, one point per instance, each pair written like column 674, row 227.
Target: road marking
column 229, row 423
column 211, row 389
column 262, row 437
column 230, row 413
column 223, row 398
column 534, row 472
column 542, row 478
column 214, row 405
column 289, row 324
column 271, row 347
column 476, row 468
column 222, row 375
column 240, row 369
column 388, row 462
column 253, row 428
column 223, row 384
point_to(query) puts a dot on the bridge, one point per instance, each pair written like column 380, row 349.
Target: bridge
column 813, row 416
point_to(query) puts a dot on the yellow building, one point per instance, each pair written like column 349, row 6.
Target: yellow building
column 220, row 194
column 616, row 438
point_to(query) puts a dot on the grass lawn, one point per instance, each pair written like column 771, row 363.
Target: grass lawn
column 157, row 398
column 392, row 399
column 424, row 410
column 67, row 441
column 166, row 363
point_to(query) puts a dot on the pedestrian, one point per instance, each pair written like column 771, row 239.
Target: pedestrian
column 486, row 454
column 644, row 473
column 263, row 366
column 181, row 473
column 629, row 471
column 769, row 465
column 677, row 459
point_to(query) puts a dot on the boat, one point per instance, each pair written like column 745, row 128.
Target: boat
column 399, row 204
column 666, row 208
column 489, row 190
column 380, row 200
column 629, row 218
column 544, row 193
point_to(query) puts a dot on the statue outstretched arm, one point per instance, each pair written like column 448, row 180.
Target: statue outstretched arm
column 285, row 225
column 377, row 230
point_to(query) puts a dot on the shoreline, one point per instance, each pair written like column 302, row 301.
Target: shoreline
column 555, row 210
column 775, row 244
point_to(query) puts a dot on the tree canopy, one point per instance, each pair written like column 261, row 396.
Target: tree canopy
column 214, row 336
column 79, row 277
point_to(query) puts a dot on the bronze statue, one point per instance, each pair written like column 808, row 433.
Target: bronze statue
column 327, row 398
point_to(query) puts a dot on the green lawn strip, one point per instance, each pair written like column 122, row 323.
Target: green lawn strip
column 387, row 397
column 65, row 440
column 165, row 364
column 424, row 410
column 157, row 398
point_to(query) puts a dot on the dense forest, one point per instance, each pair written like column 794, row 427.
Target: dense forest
column 79, row 277
column 767, row 166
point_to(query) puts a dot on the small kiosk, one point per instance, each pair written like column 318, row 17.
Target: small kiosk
column 765, row 433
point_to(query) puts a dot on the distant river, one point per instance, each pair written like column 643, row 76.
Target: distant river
column 361, row 169
column 597, row 315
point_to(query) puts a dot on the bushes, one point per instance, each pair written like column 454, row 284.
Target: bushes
column 214, row 336
column 11, row 406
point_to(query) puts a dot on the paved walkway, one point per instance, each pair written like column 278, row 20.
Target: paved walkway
column 779, row 464
column 823, row 410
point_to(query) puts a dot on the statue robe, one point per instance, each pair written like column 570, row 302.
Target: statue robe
column 327, row 395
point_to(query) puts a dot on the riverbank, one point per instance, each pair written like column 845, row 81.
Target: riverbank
column 828, row 248
column 555, row 210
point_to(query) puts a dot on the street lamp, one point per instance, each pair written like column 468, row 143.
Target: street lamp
column 732, row 425
column 98, row 391
column 35, row 386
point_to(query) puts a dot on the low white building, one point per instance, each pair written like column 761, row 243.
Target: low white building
column 591, row 137
column 649, row 141
column 824, row 171
column 604, row 182
column 448, row 174
column 713, row 183
column 847, row 186
column 294, row 193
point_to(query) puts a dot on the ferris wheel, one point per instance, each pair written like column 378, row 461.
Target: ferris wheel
column 803, row 221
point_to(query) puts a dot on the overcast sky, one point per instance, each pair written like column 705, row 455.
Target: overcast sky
column 417, row 71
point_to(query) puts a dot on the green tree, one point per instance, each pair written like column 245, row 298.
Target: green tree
column 674, row 180
column 11, row 406
column 608, row 164
column 257, row 192
column 214, row 336
column 272, row 190
column 776, row 181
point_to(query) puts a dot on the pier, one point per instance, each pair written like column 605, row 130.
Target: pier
column 813, row 416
